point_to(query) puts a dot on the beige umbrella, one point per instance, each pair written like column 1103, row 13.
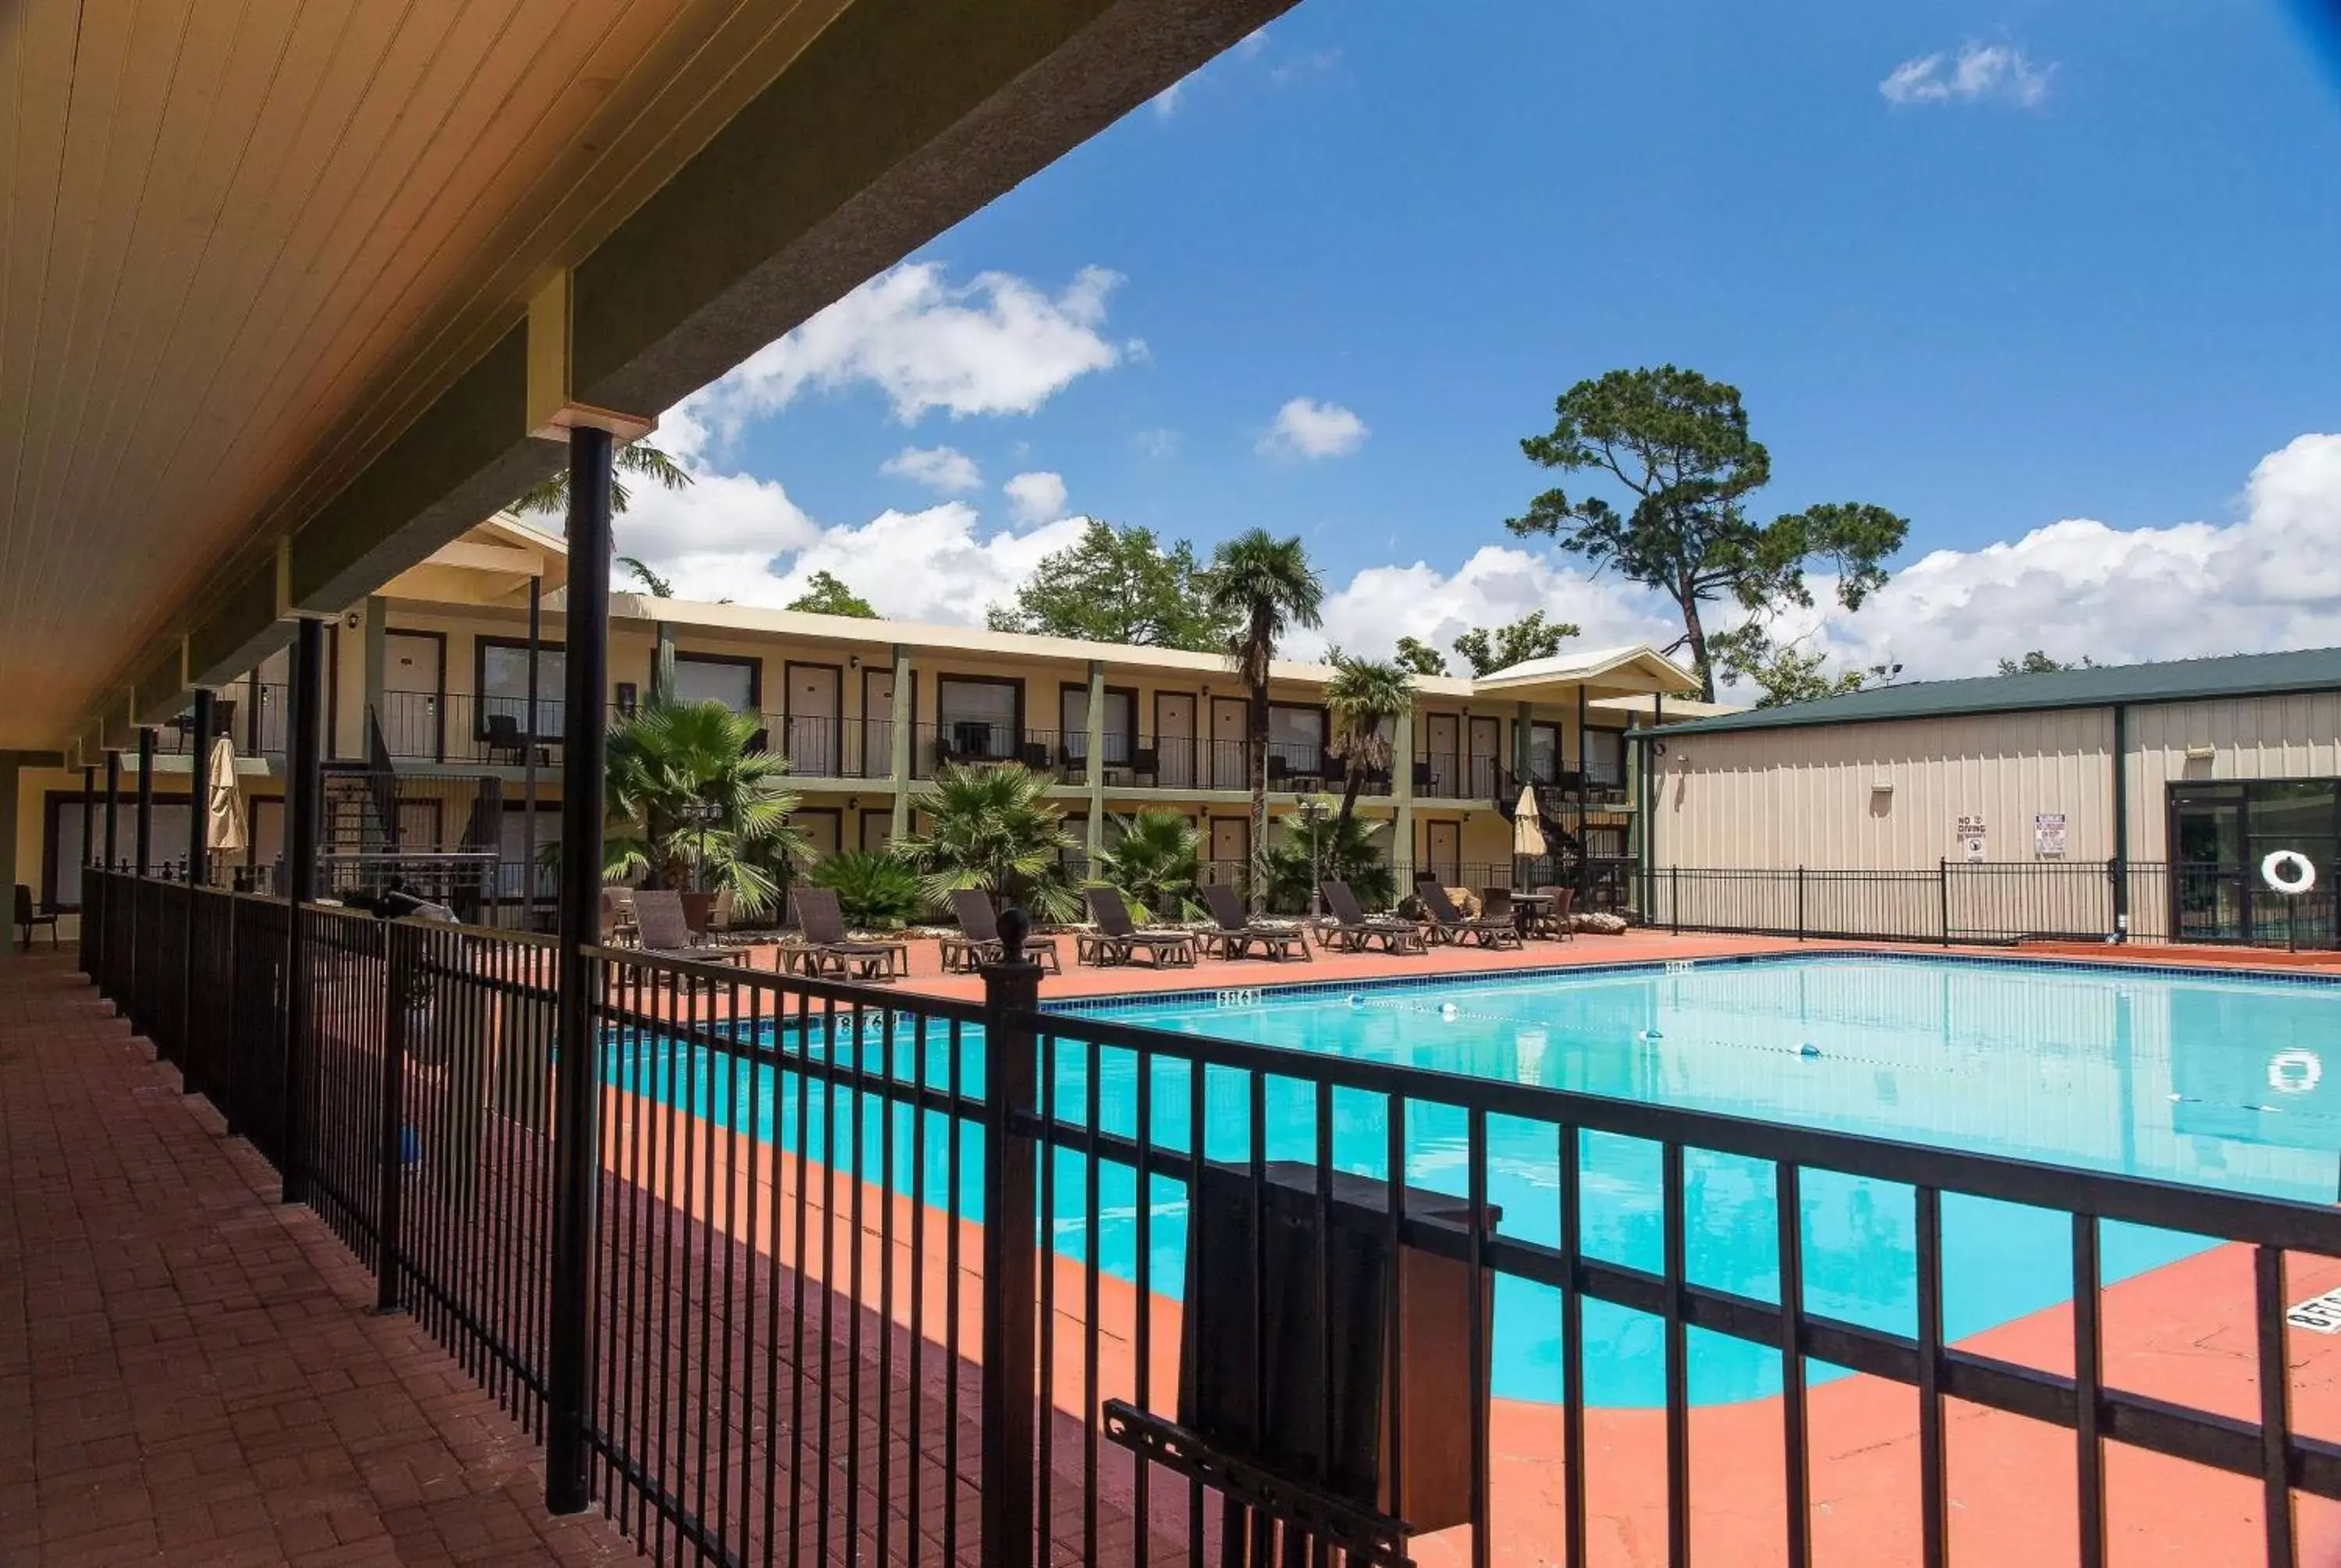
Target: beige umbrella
column 223, row 801
column 1527, row 832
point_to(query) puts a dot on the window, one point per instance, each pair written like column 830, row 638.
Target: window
column 978, row 717
column 1605, row 755
column 512, row 851
column 61, row 855
column 718, row 678
column 1296, row 745
column 1121, row 723
column 503, row 676
column 1544, row 753
column 61, row 874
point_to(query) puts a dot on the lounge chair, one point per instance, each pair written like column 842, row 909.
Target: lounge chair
column 827, row 950
column 1119, row 941
column 1451, row 926
column 978, row 941
column 1236, row 934
column 662, row 932
column 1355, row 931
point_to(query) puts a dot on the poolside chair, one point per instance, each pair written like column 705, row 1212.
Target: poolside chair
column 1119, row 941
column 978, row 941
column 662, row 932
column 1496, row 904
column 827, row 950
column 1451, row 926
column 618, row 928
column 1552, row 920
column 1234, row 933
column 1355, row 931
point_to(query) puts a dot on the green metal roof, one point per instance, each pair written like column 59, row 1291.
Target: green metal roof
column 2105, row 685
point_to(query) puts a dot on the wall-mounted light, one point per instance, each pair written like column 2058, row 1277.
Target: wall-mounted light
column 2201, row 753
column 1881, row 787
column 351, row 620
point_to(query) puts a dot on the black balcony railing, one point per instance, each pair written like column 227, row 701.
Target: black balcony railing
column 874, row 1276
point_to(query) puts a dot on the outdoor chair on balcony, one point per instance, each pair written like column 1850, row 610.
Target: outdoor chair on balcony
column 827, row 951
column 504, row 744
column 1235, row 934
column 26, row 920
column 1118, row 939
column 1355, row 931
column 1449, row 925
column 979, row 942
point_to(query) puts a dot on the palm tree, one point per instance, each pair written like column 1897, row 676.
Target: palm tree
column 1264, row 586
column 1363, row 702
column 992, row 827
column 642, row 458
column 1322, row 845
column 654, row 585
column 687, row 796
column 1156, row 863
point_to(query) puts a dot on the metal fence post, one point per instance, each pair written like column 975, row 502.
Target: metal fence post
column 1800, row 903
column 1673, row 897
column 396, row 988
column 1011, row 1255
column 1943, row 880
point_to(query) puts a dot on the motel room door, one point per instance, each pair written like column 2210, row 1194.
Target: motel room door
column 1228, row 724
column 1174, row 740
column 1231, row 848
column 414, row 674
column 1441, row 742
column 814, row 721
column 1446, row 857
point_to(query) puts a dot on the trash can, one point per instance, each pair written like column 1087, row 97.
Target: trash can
column 1229, row 1339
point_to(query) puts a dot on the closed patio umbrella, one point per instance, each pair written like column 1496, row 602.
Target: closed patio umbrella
column 223, row 800
column 1527, row 832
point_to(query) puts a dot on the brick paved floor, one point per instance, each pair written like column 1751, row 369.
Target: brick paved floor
column 188, row 1370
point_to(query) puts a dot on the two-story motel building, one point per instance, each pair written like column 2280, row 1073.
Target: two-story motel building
column 428, row 683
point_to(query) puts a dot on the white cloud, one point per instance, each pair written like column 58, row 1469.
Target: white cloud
column 996, row 345
column 1166, row 103
column 944, row 468
column 936, row 565
column 1036, row 497
column 1160, row 441
column 2267, row 581
column 716, row 537
column 1499, row 583
column 1305, row 428
column 1978, row 73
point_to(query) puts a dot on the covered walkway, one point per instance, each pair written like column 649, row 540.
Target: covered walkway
column 189, row 1370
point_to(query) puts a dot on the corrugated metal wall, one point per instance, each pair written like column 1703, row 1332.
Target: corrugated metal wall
column 1787, row 797
column 2265, row 738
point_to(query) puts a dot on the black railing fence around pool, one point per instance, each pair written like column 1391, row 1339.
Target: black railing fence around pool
column 873, row 1276
column 1957, row 901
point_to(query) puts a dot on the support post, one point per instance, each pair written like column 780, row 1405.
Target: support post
column 199, row 822
column 661, row 659
column 93, row 936
column 375, row 676
column 112, row 809
column 9, row 935
column 528, row 759
column 1943, row 877
column 900, row 735
column 1402, row 797
column 398, row 941
column 1584, row 800
column 576, row 1122
column 1094, row 774
column 303, row 799
column 2121, row 868
column 1011, row 1257
column 145, row 821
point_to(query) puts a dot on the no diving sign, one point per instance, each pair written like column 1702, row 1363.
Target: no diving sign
column 2318, row 1314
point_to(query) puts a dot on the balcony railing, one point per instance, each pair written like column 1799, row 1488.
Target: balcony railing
column 842, row 1265
column 253, row 717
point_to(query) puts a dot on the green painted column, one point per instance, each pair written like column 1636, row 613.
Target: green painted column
column 1096, row 760
column 662, row 664
column 1401, row 848
column 899, row 733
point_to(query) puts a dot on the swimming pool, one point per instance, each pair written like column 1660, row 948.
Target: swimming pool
column 2185, row 1078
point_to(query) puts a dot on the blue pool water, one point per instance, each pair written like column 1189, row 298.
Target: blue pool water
column 2207, row 1080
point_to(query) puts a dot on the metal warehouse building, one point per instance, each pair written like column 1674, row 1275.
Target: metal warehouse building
column 2135, row 798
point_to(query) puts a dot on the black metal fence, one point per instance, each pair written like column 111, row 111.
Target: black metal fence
column 1989, row 902
column 881, row 1278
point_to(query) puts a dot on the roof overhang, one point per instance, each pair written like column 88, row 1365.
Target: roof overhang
column 1624, row 672
column 246, row 390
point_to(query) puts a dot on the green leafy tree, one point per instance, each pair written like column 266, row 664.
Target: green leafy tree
column 1117, row 585
column 992, row 827
column 2038, row 662
column 1363, row 701
column 826, row 594
column 876, row 891
column 670, row 761
column 1260, row 587
column 1158, row 862
column 1782, row 673
column 654, row 585
column 640, row 458
column 1530, row 637
column 1346, row 851
column 1420, row 657
column 1678, row 445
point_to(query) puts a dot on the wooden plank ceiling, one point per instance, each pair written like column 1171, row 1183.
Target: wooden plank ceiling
column 242, row 242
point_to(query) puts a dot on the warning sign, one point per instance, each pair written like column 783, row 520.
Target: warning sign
column 2049, row 835
column 1971, row 838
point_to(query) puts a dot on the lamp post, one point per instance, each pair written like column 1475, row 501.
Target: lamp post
column 701, row 815
column 1312, row 818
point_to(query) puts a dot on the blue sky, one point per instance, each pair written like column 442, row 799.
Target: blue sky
column 1996, row 268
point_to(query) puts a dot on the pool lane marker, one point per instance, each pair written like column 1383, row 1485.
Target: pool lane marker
column 2318, row 1314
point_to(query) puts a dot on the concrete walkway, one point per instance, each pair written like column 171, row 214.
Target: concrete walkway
column 189, row 1372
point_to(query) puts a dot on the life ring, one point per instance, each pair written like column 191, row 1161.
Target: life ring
column 2289, row 872
column 2295, row 1072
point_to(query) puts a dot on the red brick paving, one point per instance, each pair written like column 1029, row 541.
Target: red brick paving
column 189, row 1374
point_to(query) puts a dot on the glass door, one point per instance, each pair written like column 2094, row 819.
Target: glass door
column 2220, row 834
column 2207, row 886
